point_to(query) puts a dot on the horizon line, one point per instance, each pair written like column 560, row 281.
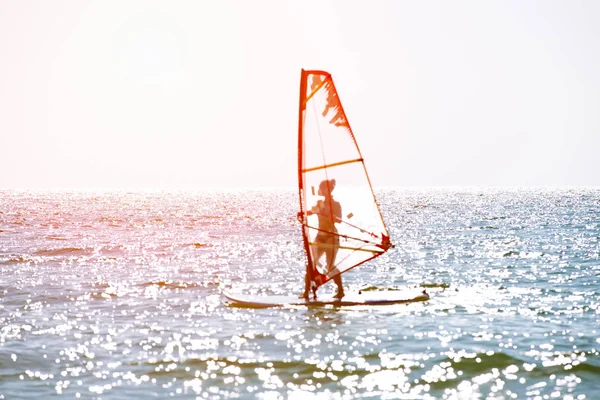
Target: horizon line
column 288, row 187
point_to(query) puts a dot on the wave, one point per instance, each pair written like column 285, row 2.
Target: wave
column 57, row 238
column 14, row 260
column 198, row 245
column 432, row 285
column 176, row 285
column 479, row 228
column 437, row 374
column 292, row 371
column 111, row 220
column 476, row 364
column 8, row 373
column 64, row 251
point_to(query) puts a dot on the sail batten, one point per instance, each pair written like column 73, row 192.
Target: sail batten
column 332, row 165
column 333, row 182
column 378, row 251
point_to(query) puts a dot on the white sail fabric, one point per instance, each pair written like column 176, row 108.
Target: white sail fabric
column 328, row 153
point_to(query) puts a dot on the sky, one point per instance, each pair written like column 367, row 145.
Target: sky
column 195, row 94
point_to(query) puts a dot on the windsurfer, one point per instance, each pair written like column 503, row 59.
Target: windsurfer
column 327, row 240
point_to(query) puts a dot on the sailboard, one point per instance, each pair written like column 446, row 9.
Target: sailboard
column 341, row 223
column 373, row 298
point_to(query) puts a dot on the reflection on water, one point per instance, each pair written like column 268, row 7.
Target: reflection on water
column 118, row 295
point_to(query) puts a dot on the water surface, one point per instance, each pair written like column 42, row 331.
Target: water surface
column 117, row 294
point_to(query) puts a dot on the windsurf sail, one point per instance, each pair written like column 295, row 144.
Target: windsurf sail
column 342, row 225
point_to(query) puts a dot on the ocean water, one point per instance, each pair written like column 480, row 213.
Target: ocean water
column 118, row 295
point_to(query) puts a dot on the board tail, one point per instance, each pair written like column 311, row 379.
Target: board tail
column 342, row 225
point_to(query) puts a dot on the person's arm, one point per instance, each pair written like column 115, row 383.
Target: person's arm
column 315, row 209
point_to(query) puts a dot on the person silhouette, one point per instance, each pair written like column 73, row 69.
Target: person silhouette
column 327, row 241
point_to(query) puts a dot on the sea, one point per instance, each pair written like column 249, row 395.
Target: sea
column 118, row 294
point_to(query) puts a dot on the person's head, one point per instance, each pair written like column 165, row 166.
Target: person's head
column 326, row 187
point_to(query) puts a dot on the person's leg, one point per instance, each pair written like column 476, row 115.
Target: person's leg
column 317, row 252
column 307, row 280
column 340, row 289
column 330, row 255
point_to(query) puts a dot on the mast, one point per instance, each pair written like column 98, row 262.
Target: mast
column 301, row 108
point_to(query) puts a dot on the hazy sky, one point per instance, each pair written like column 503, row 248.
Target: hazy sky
column 150, row 94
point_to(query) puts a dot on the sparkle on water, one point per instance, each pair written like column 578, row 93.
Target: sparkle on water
column 118, row 295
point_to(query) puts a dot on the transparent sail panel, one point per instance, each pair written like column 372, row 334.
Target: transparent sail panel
column 343, row 223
